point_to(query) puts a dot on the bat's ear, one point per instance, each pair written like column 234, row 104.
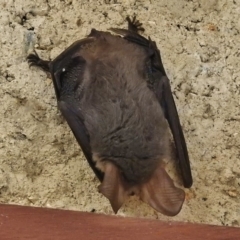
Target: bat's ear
column 161, row 194
column 113, row 187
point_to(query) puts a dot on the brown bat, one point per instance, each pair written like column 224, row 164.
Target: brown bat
column 115, row 95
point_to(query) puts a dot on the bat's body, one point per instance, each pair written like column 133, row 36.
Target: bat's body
column 116, row 98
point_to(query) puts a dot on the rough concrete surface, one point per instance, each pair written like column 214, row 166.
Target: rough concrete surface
column 40, row 162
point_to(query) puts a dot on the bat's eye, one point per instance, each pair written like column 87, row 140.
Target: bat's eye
column 72, row 71
column 63, row 75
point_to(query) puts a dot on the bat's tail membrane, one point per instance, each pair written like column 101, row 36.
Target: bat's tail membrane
column 161, row 194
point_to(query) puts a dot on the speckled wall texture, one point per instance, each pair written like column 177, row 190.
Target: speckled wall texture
column 40, row 162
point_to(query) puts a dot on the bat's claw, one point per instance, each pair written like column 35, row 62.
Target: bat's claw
column 134, row 24
column 34, row 60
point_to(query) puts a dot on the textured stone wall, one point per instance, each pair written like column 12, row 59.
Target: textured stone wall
column 40, row 161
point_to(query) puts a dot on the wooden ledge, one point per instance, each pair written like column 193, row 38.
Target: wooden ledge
column 20, row 223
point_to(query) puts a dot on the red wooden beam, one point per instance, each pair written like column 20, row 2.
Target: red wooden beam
column 17, row 222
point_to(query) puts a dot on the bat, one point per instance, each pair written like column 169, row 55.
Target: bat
column 113, row 91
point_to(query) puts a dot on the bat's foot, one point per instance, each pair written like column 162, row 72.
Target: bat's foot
column 34, row 60
column 134, row 25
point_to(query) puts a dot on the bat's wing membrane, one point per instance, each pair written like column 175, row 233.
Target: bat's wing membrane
column 172, row 117
column 76, row 123
column 73, row 65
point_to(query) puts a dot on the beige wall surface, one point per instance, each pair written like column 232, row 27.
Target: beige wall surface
column 40, row 162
